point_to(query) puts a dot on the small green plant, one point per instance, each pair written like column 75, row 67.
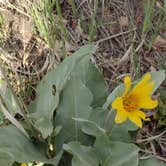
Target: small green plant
column 50, row 25
column 92, row 27
column 148, row 8
column 1, row 28
column 154, row 21
column 161, row 114
column 45, row 22
column 74, row 8
column 71, row 121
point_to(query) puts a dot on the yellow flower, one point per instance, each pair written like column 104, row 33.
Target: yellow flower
column 24, row 164
column 130, row 103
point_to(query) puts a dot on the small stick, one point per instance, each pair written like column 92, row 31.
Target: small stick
column 151, row 138
column 113, row 36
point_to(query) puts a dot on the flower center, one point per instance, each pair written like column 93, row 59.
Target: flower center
column 130, row 102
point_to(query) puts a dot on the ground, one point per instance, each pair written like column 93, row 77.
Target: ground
column 131, row 39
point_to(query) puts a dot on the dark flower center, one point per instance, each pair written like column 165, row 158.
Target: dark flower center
column 130, row 102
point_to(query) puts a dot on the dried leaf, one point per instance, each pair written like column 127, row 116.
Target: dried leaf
column 159, row 43
column 124, row 22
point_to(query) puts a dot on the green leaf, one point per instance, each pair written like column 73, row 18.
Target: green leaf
column 90, row 127
column 6, row 159
column 104, row 119
column 14, row 146
column 50, row 88
column 123, row 154
column 115, row 153
column 121, row 132
column 107, row 153
column 82, row 155
column 106, row 147
column 75, row 103
column 158, row 77
column 102, row 148
column 93, row 80
column 151, row 162
column 8, row 98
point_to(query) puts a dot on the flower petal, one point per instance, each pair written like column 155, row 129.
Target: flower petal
column 135, row 118
column 147, row 103
column 142, row 115
column 117, row 103
column 127, row 82
column 121, row 115
column 144, row 91
column 142, row 83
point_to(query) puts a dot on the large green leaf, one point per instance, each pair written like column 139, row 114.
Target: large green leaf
column 151, row 162
column 111, row 153
column 6, row 159
column 74, row 103
column 103, row 148
column 94, row 80
column 158, row 77
column 87, row 75
column 115, row 153
column 104, row 152
column 49, row 89
column 14, row 146
column 83, row 156
column 122, row 155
